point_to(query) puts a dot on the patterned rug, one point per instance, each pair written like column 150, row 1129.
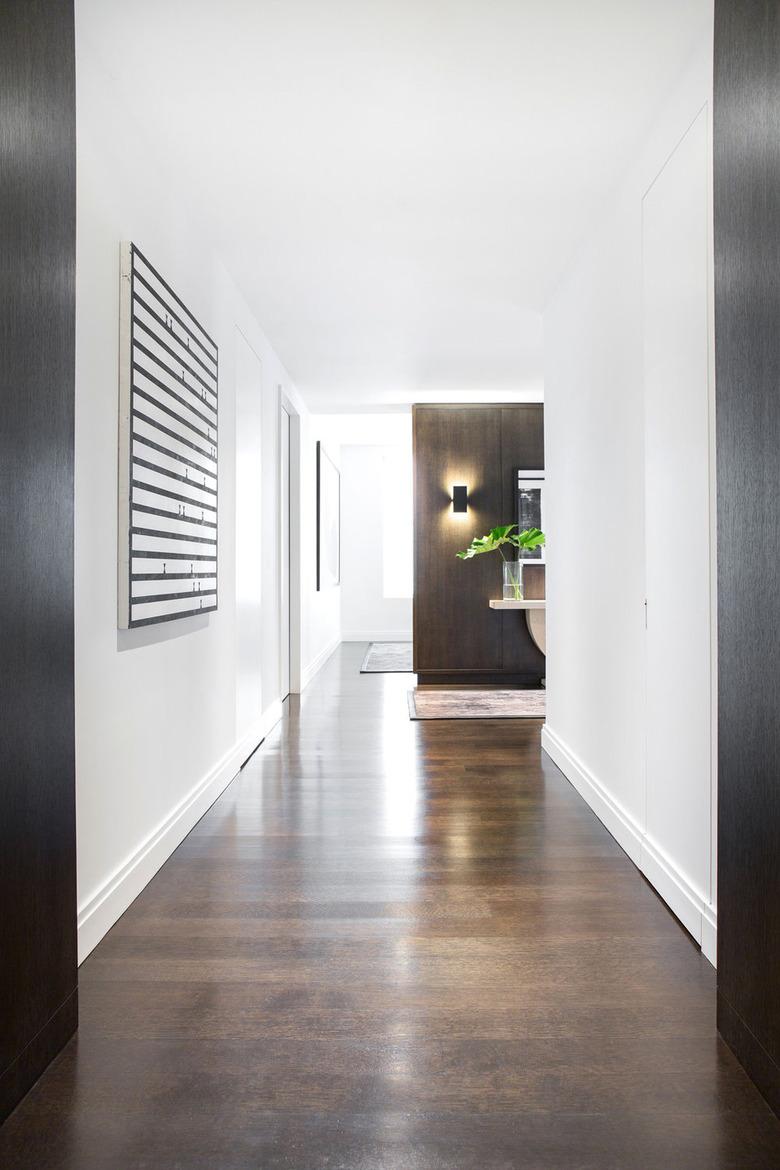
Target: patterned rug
column 429, row 703
column 388, row 658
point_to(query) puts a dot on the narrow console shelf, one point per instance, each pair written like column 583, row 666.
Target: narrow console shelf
column 518, row 604
column 535, row 620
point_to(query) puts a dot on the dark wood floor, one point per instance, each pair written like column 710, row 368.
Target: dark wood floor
column 395, row 946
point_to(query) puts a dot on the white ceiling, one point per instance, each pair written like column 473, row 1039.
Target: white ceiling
column 396, row 185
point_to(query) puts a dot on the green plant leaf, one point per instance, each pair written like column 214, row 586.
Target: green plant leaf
column 500, row 535
column 531, row 538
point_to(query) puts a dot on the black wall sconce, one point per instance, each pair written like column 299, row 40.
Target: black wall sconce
column 460, row 498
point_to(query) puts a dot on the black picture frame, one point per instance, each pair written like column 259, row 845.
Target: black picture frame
column 529, row 509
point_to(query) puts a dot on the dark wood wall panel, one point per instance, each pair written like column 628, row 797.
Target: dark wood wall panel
column 37, row 325
column 454, row 628
column 747, row 342
column 456, row 634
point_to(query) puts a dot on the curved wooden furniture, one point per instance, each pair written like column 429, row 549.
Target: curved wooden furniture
column 534, row 616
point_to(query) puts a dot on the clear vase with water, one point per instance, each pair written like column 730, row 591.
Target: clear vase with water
column 513, row 581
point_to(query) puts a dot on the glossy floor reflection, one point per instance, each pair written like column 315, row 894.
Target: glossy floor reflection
column 395, row 946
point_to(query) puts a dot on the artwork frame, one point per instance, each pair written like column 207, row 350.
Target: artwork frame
column 167, row 562
column 328, row 520
column 529, row 509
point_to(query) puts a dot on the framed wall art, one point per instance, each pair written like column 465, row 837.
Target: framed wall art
column 168, row 444
column 530, row 509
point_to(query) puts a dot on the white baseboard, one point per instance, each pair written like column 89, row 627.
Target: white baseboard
column 376, row 636
column 709, row 934
column 694, row 911
column 618, row 820
column 98, row 913
column 696, row 914
column 316, row 664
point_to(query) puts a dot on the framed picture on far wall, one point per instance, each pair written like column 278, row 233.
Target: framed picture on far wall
column 328, row 520
column 530, row 509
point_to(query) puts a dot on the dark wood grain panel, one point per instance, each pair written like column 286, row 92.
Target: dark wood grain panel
column 454, row 628
column 37, row 813
column 456, row 634
column 522, row 446
column 395, row 944
column 534, row 581
column 747, row 340
column 481, row 678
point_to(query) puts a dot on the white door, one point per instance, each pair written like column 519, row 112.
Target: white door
column 678, row 523
column 284, row 571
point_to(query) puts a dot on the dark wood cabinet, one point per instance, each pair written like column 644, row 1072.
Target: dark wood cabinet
column 37, row 320
column 457, row 637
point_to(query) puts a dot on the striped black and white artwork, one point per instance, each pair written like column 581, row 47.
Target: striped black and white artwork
column 167, row 452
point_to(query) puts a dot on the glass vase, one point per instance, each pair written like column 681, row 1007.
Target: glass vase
column 513, row 581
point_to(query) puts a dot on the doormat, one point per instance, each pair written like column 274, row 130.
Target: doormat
column 388, row 658
column 428, row 703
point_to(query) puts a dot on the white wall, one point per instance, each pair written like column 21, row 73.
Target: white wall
column 165, row 715
column 366, row 614
column 366, row 441
column 251, row 637
column 679, row 474
column 597, row 728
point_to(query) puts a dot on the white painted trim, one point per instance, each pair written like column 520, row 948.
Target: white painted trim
column 286, row 402
column 708, row 943
column 98, row 913
column 626, row 831
column 316, row 664
column 285, row 530
column 680, row 895
column 709, row 934
column 697, row 915
column 376, row 636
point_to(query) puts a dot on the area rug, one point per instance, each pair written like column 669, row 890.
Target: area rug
column 387, row 658
column 428, row 703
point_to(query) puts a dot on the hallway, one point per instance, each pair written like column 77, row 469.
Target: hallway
column 395, row 945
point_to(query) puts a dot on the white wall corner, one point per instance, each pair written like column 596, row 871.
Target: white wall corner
column 98, row 913
column 317, row 663
column 697, row 915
